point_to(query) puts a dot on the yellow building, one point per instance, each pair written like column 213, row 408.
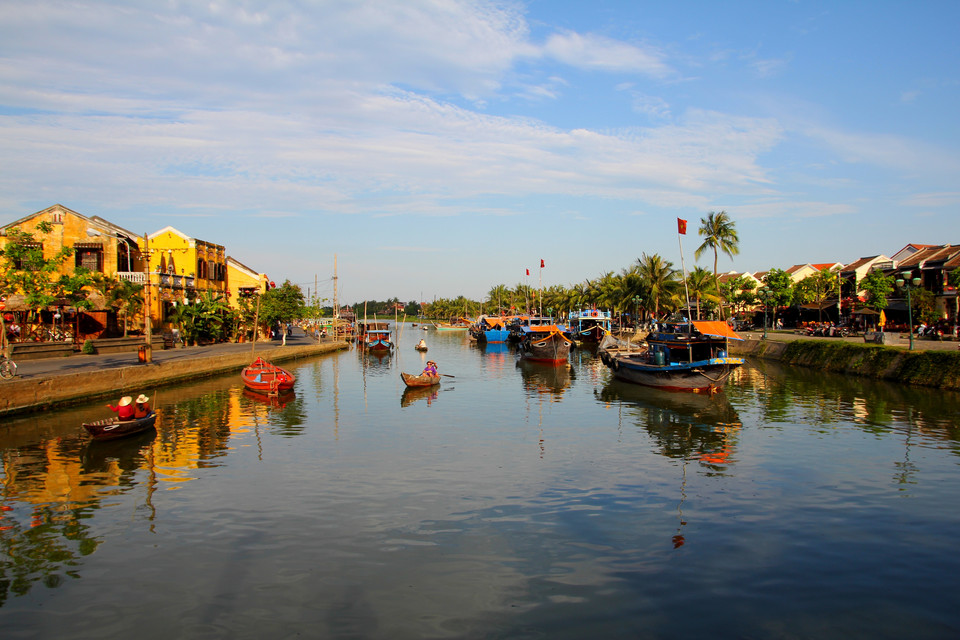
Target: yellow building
column 98, row 245
column 243, row 282
column 182, row 268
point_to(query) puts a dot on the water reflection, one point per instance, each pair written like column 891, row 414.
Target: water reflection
column 541, row 378
column 683, row 425
column 413, row 394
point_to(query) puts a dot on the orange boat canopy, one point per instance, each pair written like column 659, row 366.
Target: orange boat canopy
column 716, row 328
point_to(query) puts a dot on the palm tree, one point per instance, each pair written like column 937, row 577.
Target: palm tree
column 498, row 296
column 659, row 277
column 701, row 287
column 720, row 234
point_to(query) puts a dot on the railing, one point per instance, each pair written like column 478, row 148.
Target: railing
column 136, row 277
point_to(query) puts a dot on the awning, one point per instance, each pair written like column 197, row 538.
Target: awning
column 866, row 312
column 716, row 328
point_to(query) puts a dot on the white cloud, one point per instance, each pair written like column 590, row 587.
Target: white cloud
column 589, row 51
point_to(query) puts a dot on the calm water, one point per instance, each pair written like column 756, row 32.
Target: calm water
column 516, row 501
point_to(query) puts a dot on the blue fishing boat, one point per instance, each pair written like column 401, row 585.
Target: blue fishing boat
column 676, row 356
column 590, row 325
column 492, row 329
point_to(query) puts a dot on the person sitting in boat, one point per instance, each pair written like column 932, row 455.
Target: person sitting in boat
column 141, row 408
column 430, row 369
column 422, row 344
column 124, row 409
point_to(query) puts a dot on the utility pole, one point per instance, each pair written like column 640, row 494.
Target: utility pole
column 148, row 307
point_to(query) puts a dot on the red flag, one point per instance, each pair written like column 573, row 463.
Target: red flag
column 528, row 271
column 682, row 226
column 541, row 263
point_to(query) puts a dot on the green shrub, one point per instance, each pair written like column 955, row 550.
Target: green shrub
column 88, row 347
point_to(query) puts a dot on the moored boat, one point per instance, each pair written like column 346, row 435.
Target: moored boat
column 492, row 329
column 422, row 380
column 590, row 325
column 676, row 356
column 112, row 428
column 265, row 377
column 545, row 343
column 374, row 336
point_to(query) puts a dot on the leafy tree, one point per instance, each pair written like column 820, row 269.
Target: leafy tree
column 878, row 287
column 23, row 269
column 719, row 234
column 817, row 288
column 740, row 293
column 780, row 287
column 281, row 305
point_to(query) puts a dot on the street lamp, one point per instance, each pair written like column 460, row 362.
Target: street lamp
column 908, row 284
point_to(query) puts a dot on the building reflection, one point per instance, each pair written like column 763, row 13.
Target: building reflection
column 55, row 477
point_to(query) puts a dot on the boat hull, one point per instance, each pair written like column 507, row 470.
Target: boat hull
column 112, row 428
column 419, row 381
column 263, row 377
column 707, row 376
column 552, row 348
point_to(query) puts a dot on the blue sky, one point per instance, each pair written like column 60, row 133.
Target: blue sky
column 439, row 148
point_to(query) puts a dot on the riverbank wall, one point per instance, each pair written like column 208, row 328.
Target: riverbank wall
column 939, row 369
column 24, row 395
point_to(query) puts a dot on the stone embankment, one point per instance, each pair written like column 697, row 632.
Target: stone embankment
column 931, row 367
column 76, row 382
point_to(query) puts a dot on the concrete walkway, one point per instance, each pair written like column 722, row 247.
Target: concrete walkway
column 50, row 367
column 919, row 344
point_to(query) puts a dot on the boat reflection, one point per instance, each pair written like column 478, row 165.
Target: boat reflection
column 543, row 378
column 684, row 425
column 414, row 394
column 278, row 401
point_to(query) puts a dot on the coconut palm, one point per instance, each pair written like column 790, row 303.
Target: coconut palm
column 719, row 234
column 660, row 279
column 701, row 287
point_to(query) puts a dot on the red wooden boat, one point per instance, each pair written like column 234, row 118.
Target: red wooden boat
column 267, row 378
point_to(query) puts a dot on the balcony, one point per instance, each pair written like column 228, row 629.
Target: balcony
column 136, row 277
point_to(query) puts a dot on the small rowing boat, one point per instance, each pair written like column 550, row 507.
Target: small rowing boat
column 111, row 428
column 421, row 380
column 267, row 378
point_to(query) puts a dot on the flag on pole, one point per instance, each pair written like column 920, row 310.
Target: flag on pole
column 682, row 226
column 541, row 263
column 528, row 271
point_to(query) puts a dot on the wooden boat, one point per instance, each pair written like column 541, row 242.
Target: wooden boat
column 492, row 329
column 545, row 343
column 267, row 378
column 457, row 324
column 374, row 336
column 421, row 346
column 688, row 356
column 421, row 380
column 590, row 325
column 112, row 428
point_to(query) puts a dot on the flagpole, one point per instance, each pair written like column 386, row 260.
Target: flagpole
column 682, row 224
column 540, row 300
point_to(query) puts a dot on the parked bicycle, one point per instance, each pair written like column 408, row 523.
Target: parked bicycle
column 8, row 368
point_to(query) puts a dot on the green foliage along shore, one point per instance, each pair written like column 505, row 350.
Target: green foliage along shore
column 940, row 369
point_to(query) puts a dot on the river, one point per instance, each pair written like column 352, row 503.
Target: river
column 514, row 501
